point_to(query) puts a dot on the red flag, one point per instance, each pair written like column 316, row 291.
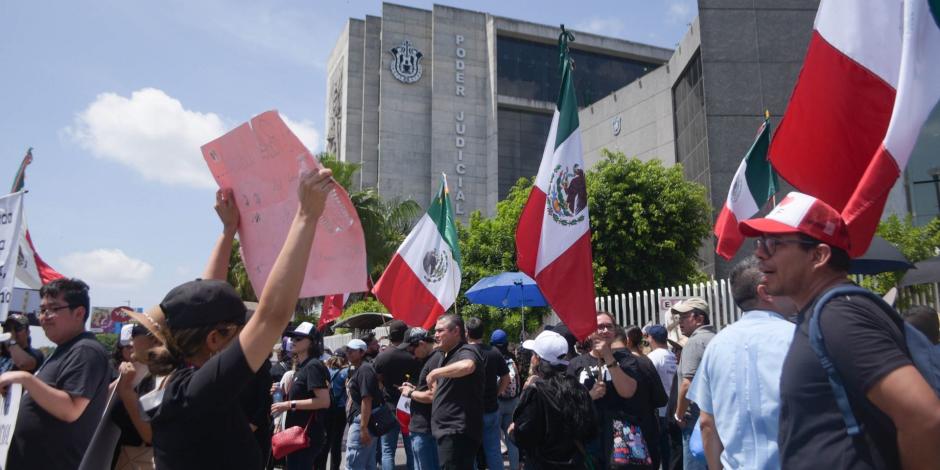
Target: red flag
column 332, row 309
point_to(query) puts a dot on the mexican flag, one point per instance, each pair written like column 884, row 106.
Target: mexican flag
column 869, row 81
column 31, row 270
column 422, row 280
column 753, row 185
column 553, row 238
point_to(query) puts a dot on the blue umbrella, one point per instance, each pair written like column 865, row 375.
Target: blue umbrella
column 507, row 290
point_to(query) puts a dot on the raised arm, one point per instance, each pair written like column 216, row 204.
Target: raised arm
column 277, row 301
column 217, row 267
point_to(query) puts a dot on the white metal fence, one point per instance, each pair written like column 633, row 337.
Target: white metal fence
column 641, row 308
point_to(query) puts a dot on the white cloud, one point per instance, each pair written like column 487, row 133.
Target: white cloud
column 150, row 132
column 680, row 12
column 106, row 268
column 153, row 134
column 602, row 26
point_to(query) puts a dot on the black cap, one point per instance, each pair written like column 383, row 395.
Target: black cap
column 396, row 330
column 570, row 338
column 415, row 336
column 203, row 302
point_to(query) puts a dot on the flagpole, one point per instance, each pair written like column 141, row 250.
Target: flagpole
column 456, row 284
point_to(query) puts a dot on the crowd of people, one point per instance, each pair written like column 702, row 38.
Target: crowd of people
column 195, row 382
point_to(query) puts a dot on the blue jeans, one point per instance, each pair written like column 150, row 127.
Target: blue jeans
column 689, row 462
column 424, row 449
column 491, row 431
column 506, row 408
column 390, row 444
column 359, row 456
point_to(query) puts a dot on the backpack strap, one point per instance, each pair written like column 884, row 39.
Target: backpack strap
column 816, row 341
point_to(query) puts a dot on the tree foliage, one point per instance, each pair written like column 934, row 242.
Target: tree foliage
column 648, row 223
column 915, row 243
column 238, row 275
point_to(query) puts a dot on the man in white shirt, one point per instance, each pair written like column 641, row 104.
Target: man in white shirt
column 665, row 362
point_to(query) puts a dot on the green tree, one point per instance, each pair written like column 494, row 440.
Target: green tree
column 238, row 275
column 107, row 339
column 488, row 247
column 915, row 243
column 648, row 223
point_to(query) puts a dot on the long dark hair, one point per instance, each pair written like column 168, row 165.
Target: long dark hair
column 576, row 404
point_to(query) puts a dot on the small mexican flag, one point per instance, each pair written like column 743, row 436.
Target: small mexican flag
column 753, row 185
column 422, row 280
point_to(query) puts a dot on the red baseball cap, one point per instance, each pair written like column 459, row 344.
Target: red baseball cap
column 801, row 213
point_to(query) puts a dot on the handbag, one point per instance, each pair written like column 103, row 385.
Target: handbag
column 630, row 447
column 382, row 421
column 291, row 439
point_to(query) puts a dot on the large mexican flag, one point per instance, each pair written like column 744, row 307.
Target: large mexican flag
column 753, row 185
column 422, row 280
column 553, row 239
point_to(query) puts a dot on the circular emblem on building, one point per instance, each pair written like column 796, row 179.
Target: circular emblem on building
column 567, row 195
column 406, row 66
column 615, row 125
column 435, row 265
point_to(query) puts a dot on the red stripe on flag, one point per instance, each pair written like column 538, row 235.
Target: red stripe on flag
column 836, row 119
column 567, row 284
column 729, row 236
column 863, row 211
column 529, row 231
column 46, row 273
column 405, row 296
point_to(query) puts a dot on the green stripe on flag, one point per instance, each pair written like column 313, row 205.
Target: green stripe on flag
column 760, row 176
column 567, row 101
column 442, row 213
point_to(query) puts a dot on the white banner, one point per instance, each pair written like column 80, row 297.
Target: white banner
column 11, row 216
column 9, row 410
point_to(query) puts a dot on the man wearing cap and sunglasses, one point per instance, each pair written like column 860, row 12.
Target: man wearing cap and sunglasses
column 803, row 246
column 24, row 356
column 64, row 401
column 420, row 343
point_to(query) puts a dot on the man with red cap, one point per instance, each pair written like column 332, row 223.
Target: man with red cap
column 803, row 246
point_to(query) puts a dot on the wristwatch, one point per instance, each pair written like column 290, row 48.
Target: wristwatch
column 293, row 405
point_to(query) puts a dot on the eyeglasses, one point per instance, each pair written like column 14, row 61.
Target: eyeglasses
column 52, row 311
column 769, row 245
column 605, row 326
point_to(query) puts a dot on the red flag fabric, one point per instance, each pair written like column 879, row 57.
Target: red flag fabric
column 332, row 309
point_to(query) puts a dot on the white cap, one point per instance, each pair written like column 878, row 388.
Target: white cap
column 305, row 329
column 549, row 346
column 126, row 334
column 357, row 344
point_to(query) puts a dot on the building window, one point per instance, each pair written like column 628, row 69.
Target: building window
column 688, row 104
column 527, row 69
column 522, row 137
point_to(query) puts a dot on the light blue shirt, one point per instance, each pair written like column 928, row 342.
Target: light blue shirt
column 738, row 382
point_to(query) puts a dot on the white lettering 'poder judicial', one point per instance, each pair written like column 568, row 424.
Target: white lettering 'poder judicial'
column 460, row 125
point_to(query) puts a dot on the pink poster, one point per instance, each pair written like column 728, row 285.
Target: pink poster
column 261, row 161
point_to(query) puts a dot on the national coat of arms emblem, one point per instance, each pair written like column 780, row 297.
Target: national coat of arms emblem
column 567, row 195
column 435, row 265
column 407, row 64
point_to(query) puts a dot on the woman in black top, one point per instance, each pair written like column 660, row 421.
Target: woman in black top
column 308, row 397
column 555, row 416
column 210, row 353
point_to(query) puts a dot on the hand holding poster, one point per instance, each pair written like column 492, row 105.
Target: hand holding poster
column 11, row 216
column 261, row 161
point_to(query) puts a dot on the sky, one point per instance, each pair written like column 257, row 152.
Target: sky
column 116, row 97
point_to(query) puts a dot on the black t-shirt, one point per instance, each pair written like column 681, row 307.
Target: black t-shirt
column 200, row 423
column 394, row 365
column 80, row 368
column 421, row 412
column 363, row 382
column 311, row 375
column 864, row 344
column 494, row 368
column 458, row 403
column 121, row 418
column 255, row 400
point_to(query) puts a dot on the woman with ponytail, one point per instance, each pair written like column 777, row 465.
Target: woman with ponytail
column 210, row 353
